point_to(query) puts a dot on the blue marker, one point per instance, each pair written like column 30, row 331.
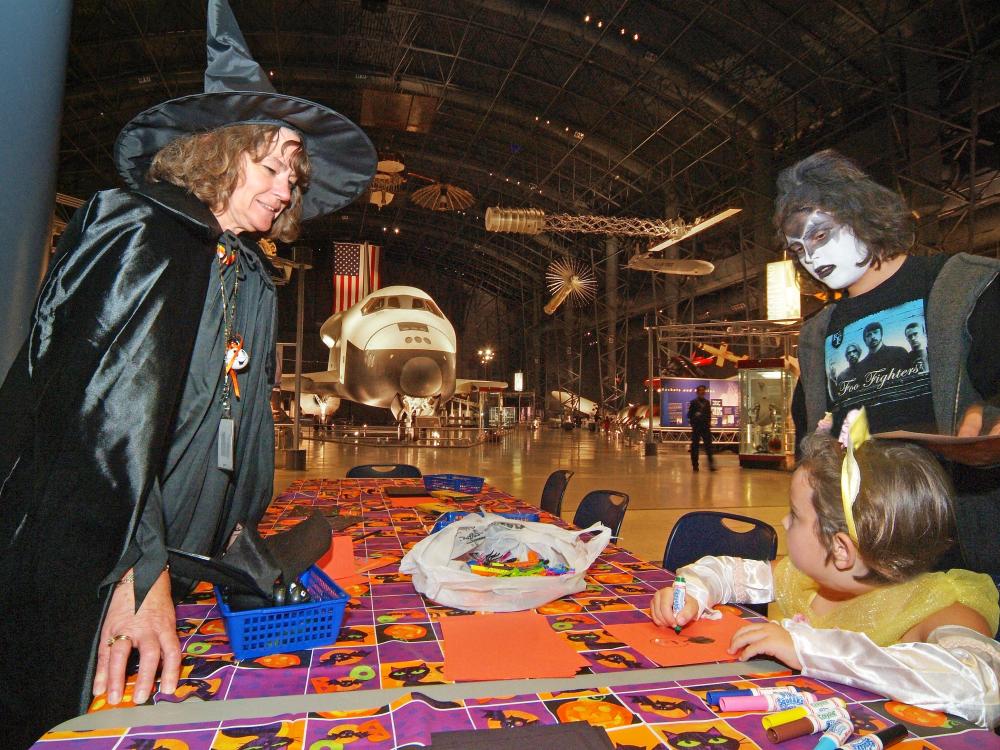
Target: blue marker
column 680, row 597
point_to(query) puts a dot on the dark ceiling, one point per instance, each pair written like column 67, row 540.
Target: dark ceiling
column 647, row 109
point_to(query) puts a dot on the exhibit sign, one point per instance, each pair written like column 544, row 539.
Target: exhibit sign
column 677, row 393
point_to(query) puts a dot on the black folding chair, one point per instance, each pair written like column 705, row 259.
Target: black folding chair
column 606, row 506
column 383, row 471
column 703, row 532
column 553, row 491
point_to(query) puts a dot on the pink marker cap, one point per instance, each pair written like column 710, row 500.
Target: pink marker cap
column 744, row 703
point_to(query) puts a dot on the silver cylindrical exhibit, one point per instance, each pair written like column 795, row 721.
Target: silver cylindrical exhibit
column 34, row 39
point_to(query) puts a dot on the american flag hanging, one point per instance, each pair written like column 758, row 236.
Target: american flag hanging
column 355, row 273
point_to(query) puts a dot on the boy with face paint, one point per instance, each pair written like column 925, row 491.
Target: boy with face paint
column 853, row 235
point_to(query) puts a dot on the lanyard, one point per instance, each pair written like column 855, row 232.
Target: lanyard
column 236, row 357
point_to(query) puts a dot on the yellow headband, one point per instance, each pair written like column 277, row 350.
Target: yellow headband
column 850, row 472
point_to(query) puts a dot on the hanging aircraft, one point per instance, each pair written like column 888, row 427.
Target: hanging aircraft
column 393, row 349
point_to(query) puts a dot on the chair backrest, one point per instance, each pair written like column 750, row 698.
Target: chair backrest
column 553, row 491
column 383, row 471
column 702, row 532
column 606, row 506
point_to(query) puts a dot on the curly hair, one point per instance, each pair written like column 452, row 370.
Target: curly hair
column 903, row 515
column 830, row 182
column 209, row 165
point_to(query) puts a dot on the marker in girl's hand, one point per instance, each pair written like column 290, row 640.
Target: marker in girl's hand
column 680, row 598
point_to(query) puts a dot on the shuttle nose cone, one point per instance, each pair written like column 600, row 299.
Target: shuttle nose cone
column 421, row 376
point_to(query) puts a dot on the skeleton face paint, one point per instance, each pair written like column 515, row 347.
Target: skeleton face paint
column 828, row 250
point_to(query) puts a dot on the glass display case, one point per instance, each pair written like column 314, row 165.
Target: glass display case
column 767, row 434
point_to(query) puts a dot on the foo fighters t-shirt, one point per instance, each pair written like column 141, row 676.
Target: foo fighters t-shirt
column 876, row 351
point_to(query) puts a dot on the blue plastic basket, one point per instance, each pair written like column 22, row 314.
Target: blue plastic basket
column 274, row 630
column 446, row 518
column 456, row 482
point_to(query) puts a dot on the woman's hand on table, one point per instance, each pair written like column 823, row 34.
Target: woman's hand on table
column 767, row 638
column 152, row 630
column 662, row 612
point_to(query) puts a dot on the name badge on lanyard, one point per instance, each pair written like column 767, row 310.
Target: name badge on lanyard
column 227, row 440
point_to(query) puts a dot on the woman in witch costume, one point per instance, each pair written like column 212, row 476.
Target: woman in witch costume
column 138, row 412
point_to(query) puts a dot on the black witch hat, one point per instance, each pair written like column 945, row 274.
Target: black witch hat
column 237, row 91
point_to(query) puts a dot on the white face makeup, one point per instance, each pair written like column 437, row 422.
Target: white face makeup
column 828, row 250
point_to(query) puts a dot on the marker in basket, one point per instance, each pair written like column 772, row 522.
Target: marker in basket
column 680, row 598
column 877, row 740
column 835, row 734
column 772, row 702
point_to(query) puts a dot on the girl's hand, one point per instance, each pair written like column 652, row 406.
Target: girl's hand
column 767, row 638
column 661, row 609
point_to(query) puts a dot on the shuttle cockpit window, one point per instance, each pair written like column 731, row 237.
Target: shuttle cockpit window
column 373, row 305
column 416, row 303
column 394, row 302
column 429, row 304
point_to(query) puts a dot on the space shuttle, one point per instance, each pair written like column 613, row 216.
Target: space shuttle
column 393, row 349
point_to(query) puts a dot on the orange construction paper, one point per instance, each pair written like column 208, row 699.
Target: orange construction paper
column 338, row 562
column 408, row 502
column 698, row 642
column 505, row 646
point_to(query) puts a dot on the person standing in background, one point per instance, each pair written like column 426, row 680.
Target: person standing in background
column 700, row 419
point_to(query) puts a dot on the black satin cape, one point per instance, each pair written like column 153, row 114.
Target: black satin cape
column 86, row 411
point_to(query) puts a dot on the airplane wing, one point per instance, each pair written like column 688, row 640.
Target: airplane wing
column 465, row 386
column 321, row 383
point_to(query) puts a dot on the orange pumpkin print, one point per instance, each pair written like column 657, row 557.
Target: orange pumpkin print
column 922, row 717
column 406, row 632
column 212, row 627
column 278, row 661
column 559, row 607
column 598, row 713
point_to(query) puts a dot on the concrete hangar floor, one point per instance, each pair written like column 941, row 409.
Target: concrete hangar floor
column 661, row 487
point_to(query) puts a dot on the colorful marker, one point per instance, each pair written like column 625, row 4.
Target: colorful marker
column 772, row 720
column 825, row 710
column 821, row 717
column 772, row 702
column 680, row 598
column 835, row 734
column 877, row 740
column 713, row 696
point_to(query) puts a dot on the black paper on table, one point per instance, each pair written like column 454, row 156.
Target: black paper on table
column 339, row 523
column 299, row 547
column 398, row 490
column 575, row 734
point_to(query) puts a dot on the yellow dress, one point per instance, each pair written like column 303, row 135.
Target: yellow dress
column 886, row 613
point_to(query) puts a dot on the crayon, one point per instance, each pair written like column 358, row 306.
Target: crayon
column 772, row 702
column 877, row 740
column 713, row 695
column 836, row 733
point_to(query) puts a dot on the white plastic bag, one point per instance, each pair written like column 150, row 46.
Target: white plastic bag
column 441, row 578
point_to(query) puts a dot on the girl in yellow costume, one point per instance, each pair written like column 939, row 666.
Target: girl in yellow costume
column 854, row 601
